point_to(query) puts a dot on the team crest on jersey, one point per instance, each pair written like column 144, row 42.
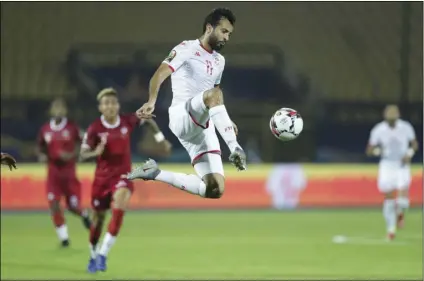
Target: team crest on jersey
column 216, row 61
column 48, row 137
column 124, row 130
column 171, row 56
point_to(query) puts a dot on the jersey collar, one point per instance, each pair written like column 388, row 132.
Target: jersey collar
column 60, row 126
column 110, row 126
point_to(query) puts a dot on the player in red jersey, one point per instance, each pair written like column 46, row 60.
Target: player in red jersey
column 7, row 159
column 108, row 140
column 58, row 145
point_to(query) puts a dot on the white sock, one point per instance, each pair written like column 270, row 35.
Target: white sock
column 402, row 204
column 189, row 183
column 93, row 252
column 62, row 232
column 222, row 122
column 107, row 244
column 389, row 212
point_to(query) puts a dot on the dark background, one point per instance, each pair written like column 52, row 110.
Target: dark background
column 337, row 63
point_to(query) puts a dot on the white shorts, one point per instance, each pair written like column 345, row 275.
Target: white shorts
column 393, row 176
column 190, row 123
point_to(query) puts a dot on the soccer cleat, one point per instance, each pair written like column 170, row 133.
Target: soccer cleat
column 86, row 219
column 65, row 243
column 148, row 171
column 92, row 266
column 101, row 263
column 391, row 236
column 400, row 221
column 238, row 159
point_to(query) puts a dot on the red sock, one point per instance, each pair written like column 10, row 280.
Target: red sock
column 58, row 218
column 95, row 232
column 116, row 221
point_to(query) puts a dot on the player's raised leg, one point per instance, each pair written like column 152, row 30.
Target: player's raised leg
column 208, row 183
column 214, row 101
column 121, row 199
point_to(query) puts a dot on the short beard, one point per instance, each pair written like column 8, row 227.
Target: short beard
column 213, row 43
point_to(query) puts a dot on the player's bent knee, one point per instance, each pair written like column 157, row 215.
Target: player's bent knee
column 54, row 206
column 121, row 198
column 214, row 186
column 98, row 217
column 389, row 195
column 213, row 97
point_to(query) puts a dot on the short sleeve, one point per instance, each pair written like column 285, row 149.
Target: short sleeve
column 374, row 137
column 90, row 138
column 410, row 132
column 178, row 56
column 133, row 121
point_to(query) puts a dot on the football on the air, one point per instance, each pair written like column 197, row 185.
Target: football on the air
column 286, row 124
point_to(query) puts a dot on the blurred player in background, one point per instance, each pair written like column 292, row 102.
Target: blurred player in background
column 197, row 108
column 108, row 140
column 58, row 145
column 7, row 159
column 393, row 140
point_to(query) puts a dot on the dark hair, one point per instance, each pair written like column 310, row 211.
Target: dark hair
column 218, row 14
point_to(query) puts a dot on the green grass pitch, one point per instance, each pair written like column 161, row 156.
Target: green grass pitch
column 220, row 245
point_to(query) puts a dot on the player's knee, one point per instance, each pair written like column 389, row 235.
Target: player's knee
column 214, row 187
column 72, row 202
column 389, row 195
column 121, row 198
column 213, row 97
column 54, row 206
column 98, row 217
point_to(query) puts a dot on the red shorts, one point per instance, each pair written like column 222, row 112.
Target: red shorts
column 102, row 192
column 68, row 187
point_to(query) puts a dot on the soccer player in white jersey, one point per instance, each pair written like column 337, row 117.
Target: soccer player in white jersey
column 197, row 108
column 393, row 140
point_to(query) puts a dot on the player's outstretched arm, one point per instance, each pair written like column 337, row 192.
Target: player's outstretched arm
column 163, row 72
column 163, row 147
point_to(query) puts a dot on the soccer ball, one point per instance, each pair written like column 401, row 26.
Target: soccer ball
column 286, row 124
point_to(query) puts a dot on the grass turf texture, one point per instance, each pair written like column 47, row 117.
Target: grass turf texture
column 219, row 245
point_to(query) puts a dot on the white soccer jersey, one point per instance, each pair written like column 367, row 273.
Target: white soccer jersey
column 195, row 70
column 394, row 142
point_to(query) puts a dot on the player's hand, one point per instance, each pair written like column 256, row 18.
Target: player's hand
column 146, row 111
column 7, row 159
column 101, row 146
column 167, row 147
column 235, row 128
column 406, row 159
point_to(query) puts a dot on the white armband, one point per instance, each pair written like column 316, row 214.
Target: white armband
column 410, row 152
column 159, row 137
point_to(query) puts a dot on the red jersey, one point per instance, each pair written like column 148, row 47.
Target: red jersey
column 116, row 158
column 53, row 139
